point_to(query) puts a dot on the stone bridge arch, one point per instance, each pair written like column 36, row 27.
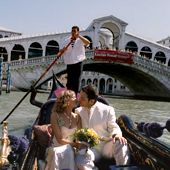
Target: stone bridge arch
column 142, row 85
column 114, row 35
column 144, row 78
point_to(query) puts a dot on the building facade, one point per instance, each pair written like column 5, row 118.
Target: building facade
column 165, row 42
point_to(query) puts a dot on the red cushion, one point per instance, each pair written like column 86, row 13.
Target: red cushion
column 43, row 134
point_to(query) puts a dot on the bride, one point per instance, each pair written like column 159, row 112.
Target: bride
column 64, row 123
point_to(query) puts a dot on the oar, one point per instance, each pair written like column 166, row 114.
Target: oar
column 47, row 69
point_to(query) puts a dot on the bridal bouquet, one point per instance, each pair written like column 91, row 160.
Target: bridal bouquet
column 87, row 135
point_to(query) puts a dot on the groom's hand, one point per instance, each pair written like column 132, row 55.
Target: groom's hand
column 120, row 138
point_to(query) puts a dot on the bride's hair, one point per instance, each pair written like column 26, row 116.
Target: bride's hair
column 62, row 100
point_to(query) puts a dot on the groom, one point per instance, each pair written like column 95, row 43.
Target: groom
column 102, row 119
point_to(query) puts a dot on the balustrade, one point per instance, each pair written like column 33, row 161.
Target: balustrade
column 42, row 60
column 138, row 60
column 34, row 61
column 151, row 65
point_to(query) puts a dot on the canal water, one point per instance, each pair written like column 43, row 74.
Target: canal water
column 138, row 110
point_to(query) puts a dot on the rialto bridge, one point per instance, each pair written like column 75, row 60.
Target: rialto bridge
column 143, row 77
column 147, row 76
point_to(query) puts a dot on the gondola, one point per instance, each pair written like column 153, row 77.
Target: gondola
column 146, row 152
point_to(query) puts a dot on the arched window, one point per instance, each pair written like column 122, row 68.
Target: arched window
column 95, row 82
column 131, row 46
column 17, row 52
column 91, row 43
column 89, row 81
column 102, row 86
column 109, row 85
column 4, row 54
column 52, row 48
column 83, row 82
column 146, row 52
column 35, row 50
column 160, row 57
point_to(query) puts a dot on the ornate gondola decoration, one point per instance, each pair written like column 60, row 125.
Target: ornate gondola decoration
column 145, row 150
column 19, row 146
column 154, row 129
column 4, row 150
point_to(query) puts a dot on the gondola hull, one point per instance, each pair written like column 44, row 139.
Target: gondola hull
column 145, row 152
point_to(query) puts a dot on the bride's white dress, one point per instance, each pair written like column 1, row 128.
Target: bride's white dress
column 61, row 157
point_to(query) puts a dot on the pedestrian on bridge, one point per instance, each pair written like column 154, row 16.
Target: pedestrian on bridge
column 73, row 58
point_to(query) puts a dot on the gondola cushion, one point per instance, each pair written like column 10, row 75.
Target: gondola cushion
column 43, row 134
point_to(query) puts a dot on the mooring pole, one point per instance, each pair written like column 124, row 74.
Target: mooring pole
column 8, row 78
column 1, row 67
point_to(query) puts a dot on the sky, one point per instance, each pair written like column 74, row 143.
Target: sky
column 149, row 19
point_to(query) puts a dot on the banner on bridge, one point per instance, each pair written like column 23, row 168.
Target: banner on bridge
column 114, row 56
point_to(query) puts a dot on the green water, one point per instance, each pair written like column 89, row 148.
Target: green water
column 138, row 110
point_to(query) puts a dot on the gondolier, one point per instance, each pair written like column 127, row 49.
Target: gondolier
column 73, row 57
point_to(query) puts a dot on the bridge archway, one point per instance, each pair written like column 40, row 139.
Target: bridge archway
column 160, row 57
column 18, row 52
column 91, row 43
column 35, row 50
column 131, row 46
column 146, row 52
column 112, row 32
column 4, row 54
column 140, row 84
column 52, row 48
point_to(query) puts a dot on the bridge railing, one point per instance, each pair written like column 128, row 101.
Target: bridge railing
column 90, row 54
column 138, row 60
column 34, row 61
column 44, row 59
column 151, row 65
